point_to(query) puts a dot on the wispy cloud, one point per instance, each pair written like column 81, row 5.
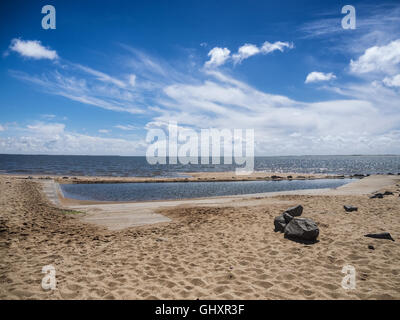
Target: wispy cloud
column 127, row 127
column 101, row 76
column 84, row 90
column 354, row 122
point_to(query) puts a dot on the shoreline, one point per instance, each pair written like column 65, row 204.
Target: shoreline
column 124, row 214
column 219, row 176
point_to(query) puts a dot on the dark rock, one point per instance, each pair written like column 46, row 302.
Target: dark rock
column 295, row 211
column 371, row 247
column 280, row 223
column 377, row 195
column 290, row 177
column 388, row 193
column 276, row 177
column 302, row 229
column 350, row 208
column 287, row 217
column 358, row 175
column 390, row 174
column 383, row 235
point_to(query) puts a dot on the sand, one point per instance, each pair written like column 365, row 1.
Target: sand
column 210, row 249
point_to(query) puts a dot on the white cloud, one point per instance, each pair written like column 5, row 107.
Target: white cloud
column 101, row 76
column 104, row 131
column 278, row 45
column 126, row 127
column 244, row 52
column 377, row 24
column 248, row 50
column 384, row 59
column 284, row 126
column 2, row 128
column 392, row 81
column 218, row 56
column 48, row 116
column 32, row 49
column 50, row 129
column 84, row 90
column 316, row 76
column 132, row 80
column 53, row 138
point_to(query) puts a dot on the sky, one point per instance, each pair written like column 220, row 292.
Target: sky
column 112, row 70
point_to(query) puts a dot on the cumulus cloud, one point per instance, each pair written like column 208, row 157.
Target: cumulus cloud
column 218, row 56
column 32, row 49
column 384, row 59
column 244, row 52
column 392, row 81
column 248, row 50
column 316, row 76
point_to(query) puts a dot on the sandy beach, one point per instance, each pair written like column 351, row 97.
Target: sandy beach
column 215, row 248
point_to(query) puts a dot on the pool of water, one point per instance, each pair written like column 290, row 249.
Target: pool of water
column 184, row 190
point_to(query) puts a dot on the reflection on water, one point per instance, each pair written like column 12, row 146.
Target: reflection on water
column 182, row 190
column 138, row 166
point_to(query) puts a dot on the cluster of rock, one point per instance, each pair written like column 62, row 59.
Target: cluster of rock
column 380, row 195
column 295, row 228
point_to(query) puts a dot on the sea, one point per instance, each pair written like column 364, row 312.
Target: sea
column 138, row 166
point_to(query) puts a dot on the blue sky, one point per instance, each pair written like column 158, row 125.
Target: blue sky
column 111, row 70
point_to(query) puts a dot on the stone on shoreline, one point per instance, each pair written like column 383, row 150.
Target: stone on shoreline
column 279, row 223
column 302, row 229
column 388, row 193
column 383, row 235
column 287, row 217
column 350, row 208
column 295, row 211
column 377, row 195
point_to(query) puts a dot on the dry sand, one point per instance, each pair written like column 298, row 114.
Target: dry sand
column 209, row 250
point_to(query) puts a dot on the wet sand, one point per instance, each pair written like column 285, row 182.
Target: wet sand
column 223, row 248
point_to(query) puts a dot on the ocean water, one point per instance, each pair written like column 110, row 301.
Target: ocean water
column 185, row 190
column 138, row 166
